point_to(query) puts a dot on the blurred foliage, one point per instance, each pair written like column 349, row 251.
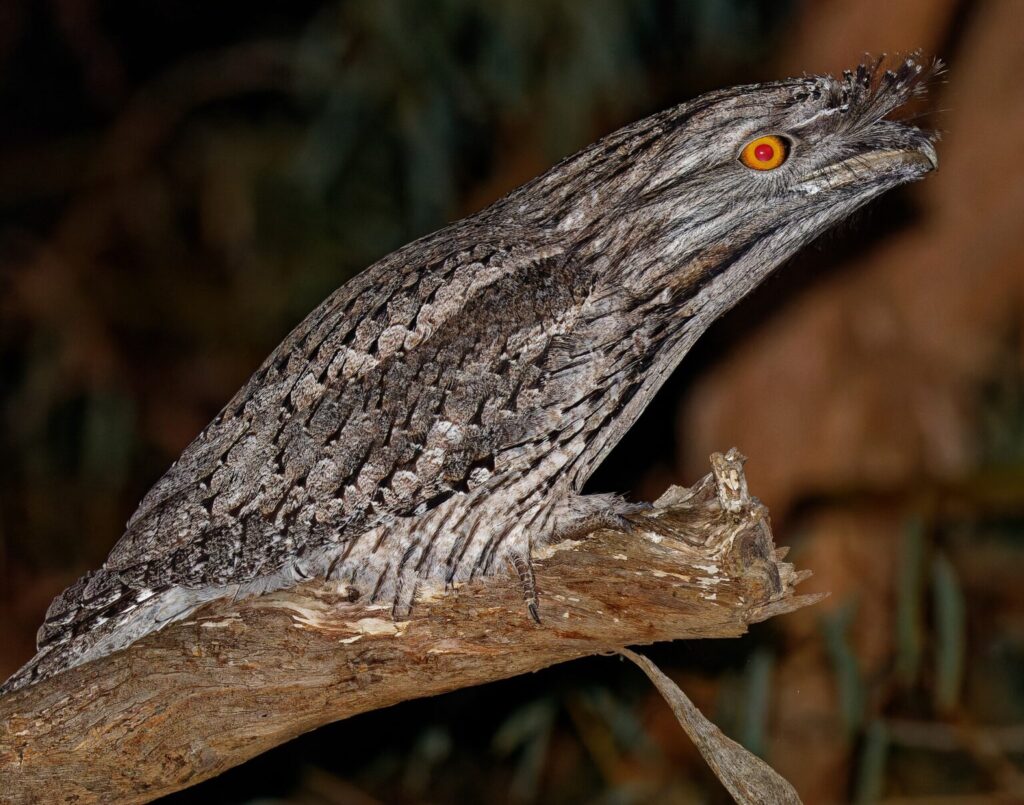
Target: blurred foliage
column 180, row 183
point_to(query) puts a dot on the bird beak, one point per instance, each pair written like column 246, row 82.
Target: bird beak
column 906, row 164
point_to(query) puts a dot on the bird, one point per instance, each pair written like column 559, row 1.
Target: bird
column 435, row 419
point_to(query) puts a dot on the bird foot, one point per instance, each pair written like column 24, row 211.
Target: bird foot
column 579, row 515
column 523, row 568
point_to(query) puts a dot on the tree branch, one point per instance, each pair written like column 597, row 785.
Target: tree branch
column 239, row 678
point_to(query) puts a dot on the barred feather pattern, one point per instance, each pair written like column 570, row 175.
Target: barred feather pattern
column 437, row 416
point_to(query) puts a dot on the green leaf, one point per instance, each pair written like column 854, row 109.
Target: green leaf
column 909, row 592
column 950, row 633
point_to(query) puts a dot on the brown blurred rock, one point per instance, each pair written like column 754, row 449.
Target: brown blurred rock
column 831, row 34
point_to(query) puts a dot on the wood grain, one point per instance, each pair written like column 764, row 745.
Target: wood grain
column 203, row 695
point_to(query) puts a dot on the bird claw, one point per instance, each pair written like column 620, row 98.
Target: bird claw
column 523, row 568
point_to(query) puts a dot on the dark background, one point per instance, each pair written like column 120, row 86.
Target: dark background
column 181, row 182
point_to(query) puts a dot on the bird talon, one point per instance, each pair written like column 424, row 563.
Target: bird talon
column 524, row 570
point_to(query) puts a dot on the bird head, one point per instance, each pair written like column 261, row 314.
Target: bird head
column 698, row 203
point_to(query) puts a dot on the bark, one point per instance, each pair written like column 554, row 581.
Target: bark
column 241, row 677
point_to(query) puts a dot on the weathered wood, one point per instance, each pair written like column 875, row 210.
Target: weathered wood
column 239, row 678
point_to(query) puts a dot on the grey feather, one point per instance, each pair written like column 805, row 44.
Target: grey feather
column 437, row 416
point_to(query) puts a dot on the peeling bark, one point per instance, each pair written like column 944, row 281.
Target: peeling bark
column 207, row 694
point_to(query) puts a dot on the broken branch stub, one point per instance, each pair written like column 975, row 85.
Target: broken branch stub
column 206, row 694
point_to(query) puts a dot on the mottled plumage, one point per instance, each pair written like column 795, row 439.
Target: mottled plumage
column 436, row 417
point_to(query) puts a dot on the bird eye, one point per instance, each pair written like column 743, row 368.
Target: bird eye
column 765, row 153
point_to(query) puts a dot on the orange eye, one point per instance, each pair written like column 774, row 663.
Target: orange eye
column 765, row 153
